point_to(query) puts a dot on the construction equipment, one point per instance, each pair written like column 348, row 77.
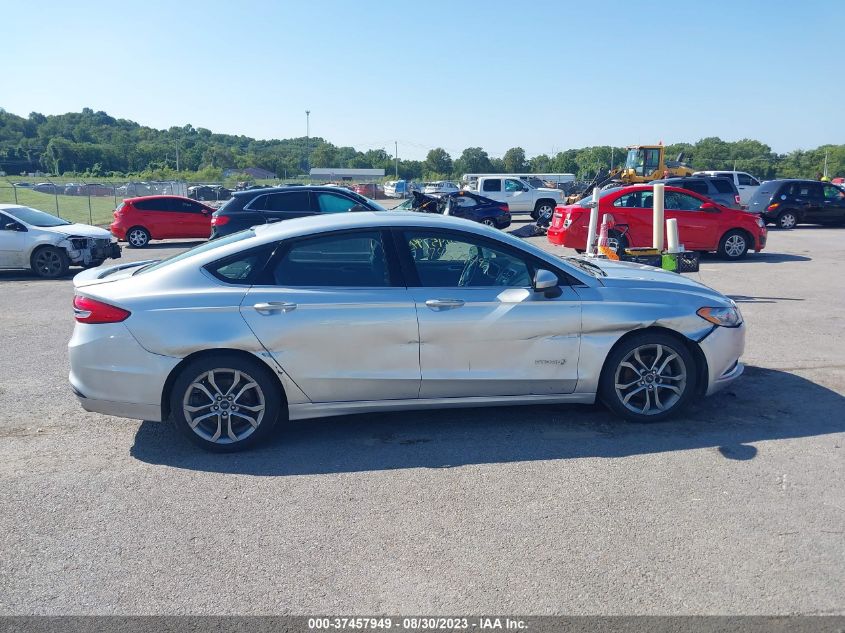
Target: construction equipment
column 643, row 163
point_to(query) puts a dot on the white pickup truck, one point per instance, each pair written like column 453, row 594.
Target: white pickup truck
column 520, row 196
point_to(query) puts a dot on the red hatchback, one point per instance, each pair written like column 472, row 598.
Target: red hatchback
column 703, row 225
column 138, row 220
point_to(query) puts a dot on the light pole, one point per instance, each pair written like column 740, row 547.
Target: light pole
column 396, row 155
column 307, row 140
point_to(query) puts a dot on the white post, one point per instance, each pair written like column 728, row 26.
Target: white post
column 657, row 220
column 672, row 235
column 594, row 220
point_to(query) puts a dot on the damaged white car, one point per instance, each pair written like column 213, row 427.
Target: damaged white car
column 49, row 245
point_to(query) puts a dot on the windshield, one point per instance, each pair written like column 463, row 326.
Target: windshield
column 375, row 205
column 202, row 248
column 585, row 202
column 635, row 160
column 33, row 217
column 405, row 206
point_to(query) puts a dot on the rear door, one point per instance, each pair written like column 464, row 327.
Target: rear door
column 14, row 244
column 336, row 316
column 286, row 205
column 157, row 218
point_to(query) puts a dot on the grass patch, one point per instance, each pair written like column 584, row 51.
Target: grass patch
column 72, row 208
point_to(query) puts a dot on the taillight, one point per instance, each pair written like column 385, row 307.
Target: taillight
column 87, row 310
column 738, row 199
column 504, row 207
column 773, row 206
column 219, row 220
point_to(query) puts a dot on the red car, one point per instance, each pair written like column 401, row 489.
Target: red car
column 139, row 220
column 703, row 225
column 368, row 190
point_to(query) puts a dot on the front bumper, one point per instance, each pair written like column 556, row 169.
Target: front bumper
column 111, row 373
column 723, row 348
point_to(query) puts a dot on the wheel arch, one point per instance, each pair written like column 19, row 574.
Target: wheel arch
column 692, row 346
column 208, row 353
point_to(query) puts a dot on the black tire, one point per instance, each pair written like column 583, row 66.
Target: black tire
column 676, row 360
column 488, row 222
column 621, row 241
column 543, row 206
column 49, row 262
column 266, row 393
column 734, row 245
column 787, row 220
column 137, row 237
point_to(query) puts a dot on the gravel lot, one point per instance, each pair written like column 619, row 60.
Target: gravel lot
column 738, row 508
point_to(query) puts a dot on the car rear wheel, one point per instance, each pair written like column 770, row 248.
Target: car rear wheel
column 225, row 403
column 489, row 222
column 649, row 377
column 787, row 220
column 138, row 237
column 734, row 244
column 49, row 262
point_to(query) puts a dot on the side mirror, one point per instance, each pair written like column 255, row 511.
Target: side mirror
column 547, row 282
column 709, row 207
column 14, row 226
column 360, row 207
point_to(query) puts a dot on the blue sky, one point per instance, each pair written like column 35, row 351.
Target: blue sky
column 543, row 75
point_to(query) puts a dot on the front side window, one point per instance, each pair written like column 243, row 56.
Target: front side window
column 445, row 260
column 635, row 200
column 350, row 259
column 513, row 185
column 492, row 184
column 652, row 160
column 746, row 181
column 833, row 193
column 330, row 203
column 677, row 201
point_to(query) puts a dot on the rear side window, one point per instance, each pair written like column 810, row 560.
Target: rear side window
column 698, row 186
column 492, row 184
column 290, row 201
column 806, row 190
column 243, row 268
column 350, row 260
column 722, row 185
column 725, row 174
column 330, row 203
column 233, row 204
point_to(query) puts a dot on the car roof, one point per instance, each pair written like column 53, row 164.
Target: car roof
column 283, row 188
column 159, row 195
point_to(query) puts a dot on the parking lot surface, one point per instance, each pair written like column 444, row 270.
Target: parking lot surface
column 738, row 507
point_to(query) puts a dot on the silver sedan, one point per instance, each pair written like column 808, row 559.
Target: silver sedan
column 365, row 312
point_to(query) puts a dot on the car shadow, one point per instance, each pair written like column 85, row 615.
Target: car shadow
column 757, row 258
column 174, row 244
column 764, row 405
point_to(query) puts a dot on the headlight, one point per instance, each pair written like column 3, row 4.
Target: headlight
column 760, row 222
column 725, row 317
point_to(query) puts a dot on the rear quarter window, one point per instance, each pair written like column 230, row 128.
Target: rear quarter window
column 723, row 186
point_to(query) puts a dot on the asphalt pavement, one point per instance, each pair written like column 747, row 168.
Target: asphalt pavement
column 738, row 507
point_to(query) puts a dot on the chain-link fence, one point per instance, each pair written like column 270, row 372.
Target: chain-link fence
column 78, row 201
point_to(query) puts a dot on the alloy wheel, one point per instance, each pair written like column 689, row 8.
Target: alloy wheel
column 488, row 222
column 48, row 263
column 735, row 246
column 224, row 406
column 137, row 237
column 650, row 379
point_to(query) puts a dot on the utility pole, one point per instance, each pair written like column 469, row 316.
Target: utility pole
column 825, row 174
column 307, row 141
column 396, row 154
column 177, row 155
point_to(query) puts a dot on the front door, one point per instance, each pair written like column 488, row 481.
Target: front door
column 337, row 320
column 13, row 243
column 834, row 204
column 483, row 331
column 517, row 195
column 697, row 229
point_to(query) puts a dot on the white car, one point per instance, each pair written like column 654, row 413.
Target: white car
column 746, row 184
column 441, row 186
column 49, row 245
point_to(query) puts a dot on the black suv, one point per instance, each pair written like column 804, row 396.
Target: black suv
column 261, row 206
column 718, row 189
column 786, row 203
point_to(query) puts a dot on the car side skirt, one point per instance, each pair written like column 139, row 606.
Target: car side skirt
column 327, row 409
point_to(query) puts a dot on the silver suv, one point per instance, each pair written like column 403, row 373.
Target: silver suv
column 721, row 190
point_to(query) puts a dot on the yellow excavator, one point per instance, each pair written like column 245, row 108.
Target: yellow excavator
column 643, row 163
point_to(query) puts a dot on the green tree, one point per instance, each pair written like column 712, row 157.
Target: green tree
column 438, row 161
column 473, row 160
column 514, row 160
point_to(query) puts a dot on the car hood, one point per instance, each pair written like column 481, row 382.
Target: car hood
column 630, row 275
column 82, row 230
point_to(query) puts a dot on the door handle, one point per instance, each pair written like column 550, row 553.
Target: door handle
column 444, row 304
column 274, row 306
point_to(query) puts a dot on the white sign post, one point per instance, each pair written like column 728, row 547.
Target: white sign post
column 657, row 220
column 594, row 221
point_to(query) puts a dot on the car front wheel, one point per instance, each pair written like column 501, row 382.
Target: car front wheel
column 734, row 244
column 225, row 403
column 49, row 262
column 648, row 378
